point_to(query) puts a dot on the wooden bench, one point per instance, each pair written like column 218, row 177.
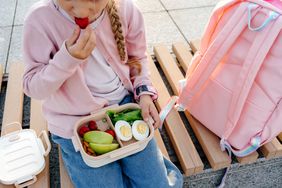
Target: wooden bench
column 169, row 65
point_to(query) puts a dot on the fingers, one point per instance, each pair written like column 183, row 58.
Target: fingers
column 81, row 47
column 146, row 113
column 155, row 115
column 74, row 37
column 91, row 43
column 82, row 41
column 150, row 113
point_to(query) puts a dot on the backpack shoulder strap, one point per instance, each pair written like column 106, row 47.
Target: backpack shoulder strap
column 212, row 56
column 209, row 30
column 251, row 66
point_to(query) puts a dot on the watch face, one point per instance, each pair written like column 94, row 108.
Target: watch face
column 141, row 88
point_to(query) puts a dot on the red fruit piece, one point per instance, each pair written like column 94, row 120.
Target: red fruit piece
column 81, row 22
column 83, row 130
column 111, row 132
column 92, row 125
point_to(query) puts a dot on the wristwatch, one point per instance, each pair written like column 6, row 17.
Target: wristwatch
column 145, row 89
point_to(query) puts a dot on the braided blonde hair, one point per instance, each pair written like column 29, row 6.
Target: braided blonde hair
column 133, row 63
column 116, row 28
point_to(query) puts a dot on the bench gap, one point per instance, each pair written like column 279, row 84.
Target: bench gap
column 2, row 101
column 26, row 113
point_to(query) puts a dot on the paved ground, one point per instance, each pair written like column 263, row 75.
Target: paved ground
column 167, row 21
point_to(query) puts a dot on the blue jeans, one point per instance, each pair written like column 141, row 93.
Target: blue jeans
column 147, row 168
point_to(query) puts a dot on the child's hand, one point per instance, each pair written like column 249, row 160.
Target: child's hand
column 148, row 109
column 81, row 47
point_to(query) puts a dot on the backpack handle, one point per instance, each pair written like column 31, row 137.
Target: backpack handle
column 271, row 16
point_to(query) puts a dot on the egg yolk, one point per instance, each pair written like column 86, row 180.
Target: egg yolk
column 141, row 128
column 125, row 131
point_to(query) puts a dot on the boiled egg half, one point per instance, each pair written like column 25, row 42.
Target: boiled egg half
column 140, row 130
column 123, row 130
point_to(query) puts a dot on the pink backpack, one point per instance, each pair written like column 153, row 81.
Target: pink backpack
column 233, row 85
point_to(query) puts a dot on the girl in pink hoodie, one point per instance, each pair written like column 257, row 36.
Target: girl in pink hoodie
column 79, row 70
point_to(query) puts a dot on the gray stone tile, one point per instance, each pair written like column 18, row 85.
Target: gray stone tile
column 5, row 35
column 22, row 8
column 191, row 21
column 181, row 4
column 15, row 53
column 149, row 6
column 161, row 29
column 7, row 11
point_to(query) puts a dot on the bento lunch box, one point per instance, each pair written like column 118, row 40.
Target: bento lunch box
column 104, row 122
column 22, row 155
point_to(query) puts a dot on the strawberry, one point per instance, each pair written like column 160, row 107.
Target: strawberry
column 92, row 125
column 111, row 132
column 81, row 22
column 83, row 130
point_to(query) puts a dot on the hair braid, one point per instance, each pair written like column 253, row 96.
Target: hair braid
column 116, row 28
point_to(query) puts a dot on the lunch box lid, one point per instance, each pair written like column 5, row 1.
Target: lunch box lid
column 22, row 156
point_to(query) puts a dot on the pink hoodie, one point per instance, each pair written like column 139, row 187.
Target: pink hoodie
column 54, row 76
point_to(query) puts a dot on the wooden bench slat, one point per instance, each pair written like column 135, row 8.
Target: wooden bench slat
column 278, row 147
column 210, row 144
column 64, row 177
column 183, row 145
column 6, row 186
column 158, row 136
column 13, row 108
column 195, row 45
column 216, row 157
column 161, row 144
column 38, row 123
column 268, row 150
column 183, row 54
column 272, row 149
column 248, row 159
column 280, row 137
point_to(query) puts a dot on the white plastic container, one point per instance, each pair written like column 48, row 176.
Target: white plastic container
column 126, row 148
column 22, row 155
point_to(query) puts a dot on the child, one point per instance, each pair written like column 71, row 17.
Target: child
column 78, row 71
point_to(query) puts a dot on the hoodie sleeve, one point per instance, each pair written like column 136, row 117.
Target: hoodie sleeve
column 136, row 42
column 45, row 69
